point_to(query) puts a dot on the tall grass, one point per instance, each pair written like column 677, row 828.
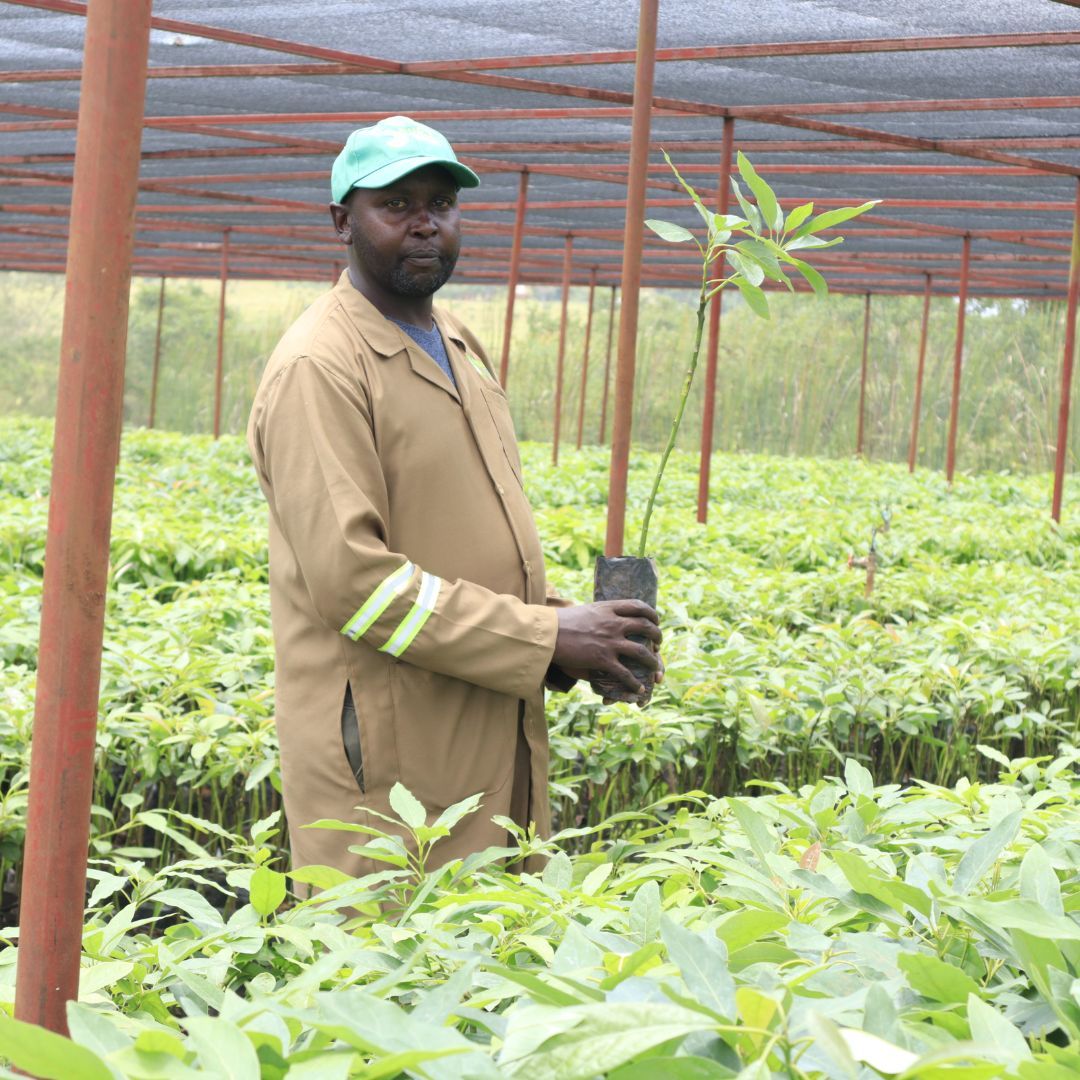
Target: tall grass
column 788, row 386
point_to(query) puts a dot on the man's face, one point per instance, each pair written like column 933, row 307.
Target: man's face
column 407, row 235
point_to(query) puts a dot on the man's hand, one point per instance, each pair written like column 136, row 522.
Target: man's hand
column 594, row 637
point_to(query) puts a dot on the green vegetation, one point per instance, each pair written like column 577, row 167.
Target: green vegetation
column 840, row 843
column 789, row 386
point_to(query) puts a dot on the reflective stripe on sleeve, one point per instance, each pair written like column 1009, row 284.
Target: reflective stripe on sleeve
column 378, row 602
column 411, row 625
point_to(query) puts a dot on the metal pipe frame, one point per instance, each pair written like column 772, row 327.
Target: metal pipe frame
column 86, row 447
column 155, row 371
column 913, row 445
column 219, row 367
column 644, row 73
column 859, row 437
column 585, row 358
column 560, row 367
column 514, row 275
column 958, row 360
column 602, row 436
column 708, row 409
column 1067, row 360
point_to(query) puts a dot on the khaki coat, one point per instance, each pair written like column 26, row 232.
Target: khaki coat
column 404, row 562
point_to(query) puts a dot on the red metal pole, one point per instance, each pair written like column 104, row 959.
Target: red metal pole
column 157, row 354
column 644, row 70
column 86, row 446
column 515, row 271
column 862, row 378
column 913, row 447
column 958, row 358
column 607, row 369
column 1067, row 364
column 708, row 409
column 560, row 364
column 585, row 358
column 220, row 368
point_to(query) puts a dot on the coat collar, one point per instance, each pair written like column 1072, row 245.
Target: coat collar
column 388, row 339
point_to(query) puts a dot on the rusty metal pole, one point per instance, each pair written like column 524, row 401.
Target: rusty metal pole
column 958, row 358
column 1067, row 361
column 607, row 370
column 89, row 412
column 157, row 355
column 515, row 273
column 708, row 409
column 561, row 362
column 862, row 378
column 633, row 235
column 913, row 446
column 585, row 357
column 219, row 370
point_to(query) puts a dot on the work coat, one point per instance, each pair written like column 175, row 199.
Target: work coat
column 404, row 562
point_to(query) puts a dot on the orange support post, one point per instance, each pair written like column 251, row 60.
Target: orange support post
column 1067, row 361
column 708, row 409
column 515, row 273
column 958, row 358
column 157, row 354
column 633, row 235
column 220, row 369
column 561, row 363
column 585, row 357
column 607, row 370
column 913, row 446
column 89, row 412
column 862, row 378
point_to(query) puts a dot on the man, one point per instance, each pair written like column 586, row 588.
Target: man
column 412, row 627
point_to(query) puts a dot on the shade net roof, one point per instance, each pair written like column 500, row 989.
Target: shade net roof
column 963, row 116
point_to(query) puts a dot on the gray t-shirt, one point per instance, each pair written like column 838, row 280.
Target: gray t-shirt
column 431, row 342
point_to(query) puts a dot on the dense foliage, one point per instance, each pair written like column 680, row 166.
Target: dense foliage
column 900, row 899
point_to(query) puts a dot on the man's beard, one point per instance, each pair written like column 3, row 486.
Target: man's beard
column 407, row 283
column 397, row 278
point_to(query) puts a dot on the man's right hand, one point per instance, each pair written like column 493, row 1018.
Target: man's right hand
column 593, row 638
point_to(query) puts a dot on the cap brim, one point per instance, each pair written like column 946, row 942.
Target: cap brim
column 396, row 170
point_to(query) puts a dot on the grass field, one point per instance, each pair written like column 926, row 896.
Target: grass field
column 841, row 842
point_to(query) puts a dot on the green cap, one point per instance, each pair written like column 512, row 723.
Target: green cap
column 373, row 157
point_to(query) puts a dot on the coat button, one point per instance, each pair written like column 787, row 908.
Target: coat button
column 500, row 489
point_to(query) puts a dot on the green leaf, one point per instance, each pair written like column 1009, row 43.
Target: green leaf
column 766, row 199
column 754, row 828
column 602, row 1037
column 407, row 806
column 753, row 218
column 798, row 216
column 197, row 908
column 672, row 1068
column 46, row 1055
column 813, row 278
column 668, row 230
column 703, row 963
column 1039, row 883
column 559, row 872
column 831, row 218
column 936, row 979
column 223, row 1049
column 981, row 856
column 754, row 298
column 645, row 913
column 453, row 814
column 898, row 895
column 267, row 890
column 857, row 778
column 874, row 1051
column 748, row 269
column 996, row 1036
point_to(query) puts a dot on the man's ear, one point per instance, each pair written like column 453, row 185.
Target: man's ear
column 339, row 215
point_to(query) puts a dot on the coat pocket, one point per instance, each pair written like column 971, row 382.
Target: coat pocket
column 453, row 739
column 350, row 739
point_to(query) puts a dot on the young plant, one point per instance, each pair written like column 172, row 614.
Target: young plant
column 755, row 247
